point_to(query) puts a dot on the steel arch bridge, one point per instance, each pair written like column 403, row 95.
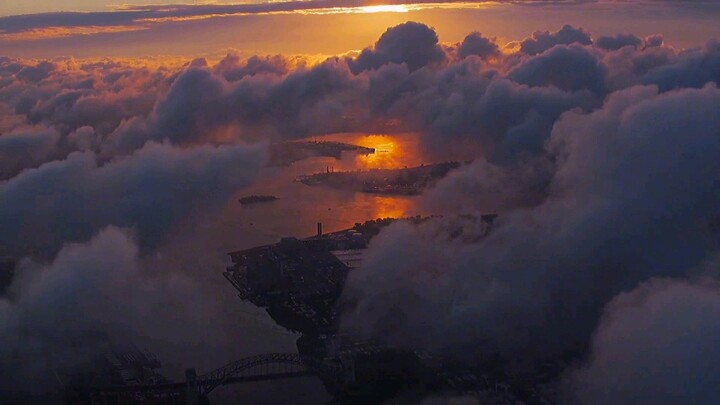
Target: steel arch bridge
column 265, row 367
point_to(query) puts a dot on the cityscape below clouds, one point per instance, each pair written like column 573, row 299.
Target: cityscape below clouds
column 360, row 202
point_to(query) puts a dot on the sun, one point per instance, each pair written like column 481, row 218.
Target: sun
column 387, row 8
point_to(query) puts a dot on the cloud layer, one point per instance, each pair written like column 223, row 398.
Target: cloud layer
column 655, row 344
column 600, row 154
column 632, row 197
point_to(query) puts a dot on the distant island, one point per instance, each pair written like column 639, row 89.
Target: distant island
column 406, row 181
column 254, row 199
column 286, row 153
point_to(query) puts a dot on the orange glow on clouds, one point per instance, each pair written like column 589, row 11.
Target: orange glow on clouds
column 391, row 8
column 394, row 8
column 61, row 32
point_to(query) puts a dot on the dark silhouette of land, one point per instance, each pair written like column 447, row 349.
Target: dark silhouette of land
column 254, row 199
column 406, row 181
column 286, row 153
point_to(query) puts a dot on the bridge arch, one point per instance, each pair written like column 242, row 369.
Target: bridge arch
column 265, row 366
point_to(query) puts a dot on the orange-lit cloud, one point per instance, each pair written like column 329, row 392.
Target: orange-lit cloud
column 397, row 8
column 321, row 10
column 62, row 32
column 302, row 27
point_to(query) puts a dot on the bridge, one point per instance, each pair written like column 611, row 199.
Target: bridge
column 196, row 388
column 266, row 367
column 262, row 367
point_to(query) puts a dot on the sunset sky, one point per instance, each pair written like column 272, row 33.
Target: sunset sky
column 210, row 28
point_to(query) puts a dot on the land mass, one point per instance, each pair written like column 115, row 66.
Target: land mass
column 254, row 199
column 286, row 153
column 406, row 181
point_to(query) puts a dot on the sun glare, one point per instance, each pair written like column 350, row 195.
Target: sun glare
column 392, row 207
column 388, row 8
column 381, row 8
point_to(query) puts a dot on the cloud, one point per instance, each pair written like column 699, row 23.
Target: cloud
column 232, row 68
column 613, row 43
column 68, row 94
column 630, row 199
column 502, row 110
column 138, row 17
column 692, row 68
column 476, row 44
column 569, row 68
column 202, row 106
column 62, row 32
column 24, row 148
column 655, row 344
column 153, row 190
column 654, row 40
column 484, row 101
column 99, row 296
column 504, row 119
column 602, row 160
column 482, row 187
column 627, row 66
column 411, row 43
column 103, row 282
column 541, row 41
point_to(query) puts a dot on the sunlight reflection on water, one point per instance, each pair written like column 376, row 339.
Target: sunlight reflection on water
column 300, row 207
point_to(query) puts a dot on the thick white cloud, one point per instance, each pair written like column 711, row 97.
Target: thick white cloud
column 654, row 345
column 632, row 197
column 25, row 147
column 153, row 190
column 100, row 295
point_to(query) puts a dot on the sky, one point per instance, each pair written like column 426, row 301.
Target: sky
column 101, row 29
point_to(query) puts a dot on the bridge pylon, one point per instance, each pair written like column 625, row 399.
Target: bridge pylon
column 192, row 392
